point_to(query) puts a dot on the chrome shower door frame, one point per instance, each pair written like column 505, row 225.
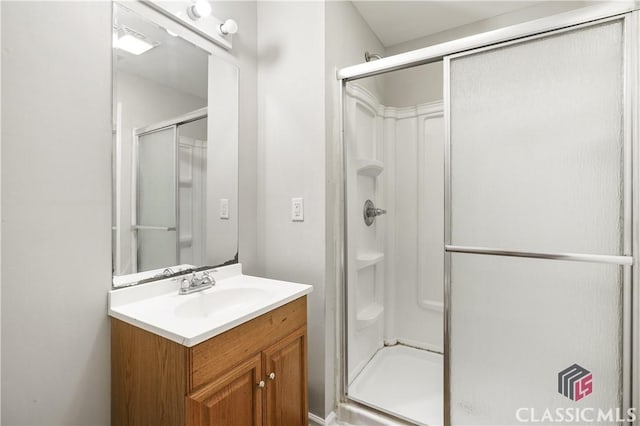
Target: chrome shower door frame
column 628, row 11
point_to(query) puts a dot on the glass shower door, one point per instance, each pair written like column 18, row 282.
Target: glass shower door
column 538, row 242
column 156, row 210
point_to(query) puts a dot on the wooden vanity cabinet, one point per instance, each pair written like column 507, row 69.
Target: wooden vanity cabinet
column 233, row 399
column 252, row 375
column 286, row 390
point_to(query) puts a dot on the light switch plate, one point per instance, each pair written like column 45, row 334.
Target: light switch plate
column 297, row 209
column 224, row 208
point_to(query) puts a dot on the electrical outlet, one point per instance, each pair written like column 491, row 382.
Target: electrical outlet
column 224, row 208
column 297, row 209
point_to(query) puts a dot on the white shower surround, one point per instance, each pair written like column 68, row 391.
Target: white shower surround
column 192, row 155
column 399, row 161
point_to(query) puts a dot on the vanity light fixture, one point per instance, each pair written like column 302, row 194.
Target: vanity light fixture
column 199, row 9
column 229, row 27
column 133, row 42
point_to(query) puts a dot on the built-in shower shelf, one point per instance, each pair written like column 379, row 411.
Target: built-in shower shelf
column 369, row 315
column 364, row 260
column 369, row 167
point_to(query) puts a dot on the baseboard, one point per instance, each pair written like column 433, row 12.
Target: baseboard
column 331, row 420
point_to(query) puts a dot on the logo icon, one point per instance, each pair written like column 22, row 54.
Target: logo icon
column 575, row 382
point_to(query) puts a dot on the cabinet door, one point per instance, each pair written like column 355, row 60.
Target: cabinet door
column 285, row 368
column 234, row 399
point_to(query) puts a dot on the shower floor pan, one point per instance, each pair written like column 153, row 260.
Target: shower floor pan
column 403, row 381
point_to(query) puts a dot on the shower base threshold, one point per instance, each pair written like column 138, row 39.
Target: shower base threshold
column 405, row 382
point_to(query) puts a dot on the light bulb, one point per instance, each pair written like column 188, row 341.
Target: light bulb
column 199, row 9
column 229, row 27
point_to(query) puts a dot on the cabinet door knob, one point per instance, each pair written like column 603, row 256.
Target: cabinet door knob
column 272, row 376
column 261, row 384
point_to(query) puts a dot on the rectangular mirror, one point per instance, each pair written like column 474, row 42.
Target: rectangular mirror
column 175, row 150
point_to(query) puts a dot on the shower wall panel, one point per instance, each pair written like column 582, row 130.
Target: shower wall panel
column 394, row 157
column 365, row 174
column 192, row 155
column 417, row 229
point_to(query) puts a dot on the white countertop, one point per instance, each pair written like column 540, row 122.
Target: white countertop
column 191, row 319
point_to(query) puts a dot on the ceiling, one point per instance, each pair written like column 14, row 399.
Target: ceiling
column 175, row 63
column 399, row 21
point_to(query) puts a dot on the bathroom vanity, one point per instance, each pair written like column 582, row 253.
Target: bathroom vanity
column 234, row 354
column 181, row 353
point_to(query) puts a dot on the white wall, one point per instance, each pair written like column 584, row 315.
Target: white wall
column 56, row 180
column 56, row 143
column 291, row 161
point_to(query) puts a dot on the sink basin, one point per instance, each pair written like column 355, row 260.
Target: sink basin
column 219, row 301
column 191, row 319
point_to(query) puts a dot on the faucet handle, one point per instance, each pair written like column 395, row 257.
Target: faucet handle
column 185, row 283
column 207, row 278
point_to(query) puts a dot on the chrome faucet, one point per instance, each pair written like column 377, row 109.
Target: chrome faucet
column 188, row 286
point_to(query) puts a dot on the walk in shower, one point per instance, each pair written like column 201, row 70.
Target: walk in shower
column 394, row 182
column 489, row 234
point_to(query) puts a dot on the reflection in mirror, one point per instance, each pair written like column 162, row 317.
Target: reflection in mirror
column 170, row 159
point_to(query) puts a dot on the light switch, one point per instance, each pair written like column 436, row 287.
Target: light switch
column 297, row 210
column 224, row 208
